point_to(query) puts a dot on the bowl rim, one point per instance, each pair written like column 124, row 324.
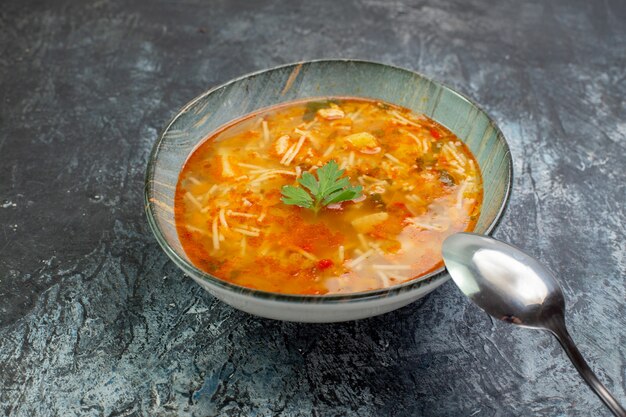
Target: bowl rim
column 437, row 276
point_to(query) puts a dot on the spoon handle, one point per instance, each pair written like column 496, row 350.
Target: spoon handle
column 557, row 327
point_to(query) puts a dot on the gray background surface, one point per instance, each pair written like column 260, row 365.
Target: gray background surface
column 94, row 319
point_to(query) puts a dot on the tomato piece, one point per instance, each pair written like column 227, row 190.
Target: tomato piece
column 399, row 209
column 325, row 264
column 435, row 133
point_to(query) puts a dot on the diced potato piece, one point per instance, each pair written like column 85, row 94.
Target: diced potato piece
column 364, row 224
column 362, row 141
column 331, row 114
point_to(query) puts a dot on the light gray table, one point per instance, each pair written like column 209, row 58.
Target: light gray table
column 94, row 319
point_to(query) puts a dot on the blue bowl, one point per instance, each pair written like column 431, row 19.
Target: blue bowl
column 324, row 78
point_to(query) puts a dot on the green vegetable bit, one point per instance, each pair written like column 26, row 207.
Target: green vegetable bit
column 313, row 106
column 328, row 188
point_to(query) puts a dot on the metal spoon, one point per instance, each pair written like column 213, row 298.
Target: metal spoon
column 512, row 286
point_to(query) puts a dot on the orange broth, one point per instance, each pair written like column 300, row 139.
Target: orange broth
column 420, row 185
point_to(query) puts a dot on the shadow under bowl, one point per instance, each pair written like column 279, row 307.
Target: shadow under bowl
column 234, row 99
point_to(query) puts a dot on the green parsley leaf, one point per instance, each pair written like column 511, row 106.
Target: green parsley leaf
column 330, row 187
column 296, row 196
column 343, row 195
column 310, row 182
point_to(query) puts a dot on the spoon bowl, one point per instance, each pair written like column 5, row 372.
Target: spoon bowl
column 502, row 280
column 514, row 287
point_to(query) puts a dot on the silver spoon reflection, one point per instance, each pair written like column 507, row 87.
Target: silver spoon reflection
column 514, row 287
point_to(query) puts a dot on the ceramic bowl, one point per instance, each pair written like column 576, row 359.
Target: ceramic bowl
column 206, row 113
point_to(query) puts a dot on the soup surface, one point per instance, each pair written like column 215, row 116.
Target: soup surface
column 410, row 183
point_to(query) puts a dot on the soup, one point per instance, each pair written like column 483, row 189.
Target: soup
column 328, row 196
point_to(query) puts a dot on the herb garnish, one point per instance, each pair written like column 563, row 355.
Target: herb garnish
column 328, row 188
column 313, row 106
